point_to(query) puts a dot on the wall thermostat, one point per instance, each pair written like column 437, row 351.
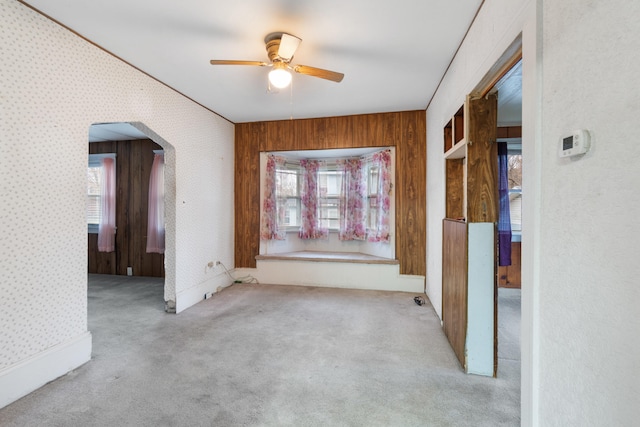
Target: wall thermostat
column 578, row 142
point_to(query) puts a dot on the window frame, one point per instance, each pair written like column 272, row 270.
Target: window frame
column 515, row 149
column 290, row 166
column 330, row 166
column 95, row 161
column 372, row 195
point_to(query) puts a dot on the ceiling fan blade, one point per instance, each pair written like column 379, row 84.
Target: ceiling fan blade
column 233, row 62
column 319, row 72
column 288, row 46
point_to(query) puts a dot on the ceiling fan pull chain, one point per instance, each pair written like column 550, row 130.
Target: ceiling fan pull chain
column 291, row 99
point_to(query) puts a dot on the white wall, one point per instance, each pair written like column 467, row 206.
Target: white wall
column 53, row 86
column 589, row 293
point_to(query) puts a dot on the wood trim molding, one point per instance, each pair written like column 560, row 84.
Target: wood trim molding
column 511, row 56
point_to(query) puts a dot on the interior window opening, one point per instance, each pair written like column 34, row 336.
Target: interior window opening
column 338, row 200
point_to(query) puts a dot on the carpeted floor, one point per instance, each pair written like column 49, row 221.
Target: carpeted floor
column 261, row 355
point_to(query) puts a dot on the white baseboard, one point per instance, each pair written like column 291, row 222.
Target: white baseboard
column 28, row 375
column 195, row 294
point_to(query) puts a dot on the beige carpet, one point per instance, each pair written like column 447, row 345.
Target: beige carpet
column 261, row 355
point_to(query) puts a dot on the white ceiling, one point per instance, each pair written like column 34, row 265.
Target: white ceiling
column 393, row 53
column 99, row 132
column 509, row 89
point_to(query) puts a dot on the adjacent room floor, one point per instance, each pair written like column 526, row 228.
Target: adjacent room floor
column 271, row 356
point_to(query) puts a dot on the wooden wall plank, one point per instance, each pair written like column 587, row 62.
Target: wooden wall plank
column 404, row 130
column 278, row 134
column 482, row 163
column 122, row 208
column 509, row 132
column 304, row 131
column 143, row 264
column 454, row 285
column 360, row 128
column 344, row 132
column 411, row 194
column 99, row 262
column 324, row 132
column 455, row 188
column 510, row 276
column 249, row 137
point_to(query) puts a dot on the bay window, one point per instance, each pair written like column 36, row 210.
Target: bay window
column 349, row 196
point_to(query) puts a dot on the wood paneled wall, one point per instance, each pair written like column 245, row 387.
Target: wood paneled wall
column 454, row 172
column 404, row 130
column 454, row 285
column 133, row 168
column 482, row 160
column 510, row 276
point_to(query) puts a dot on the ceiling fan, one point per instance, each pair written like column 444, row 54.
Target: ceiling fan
column 280, row 49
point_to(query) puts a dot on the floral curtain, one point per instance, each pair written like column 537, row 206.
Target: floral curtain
column 155, row 223
column 380, row 198
column 107, row 226
column 353, row 200
column 270, row 206
column 310, row 227
column 504, row 215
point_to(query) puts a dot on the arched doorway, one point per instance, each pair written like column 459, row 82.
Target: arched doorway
column 133, row 145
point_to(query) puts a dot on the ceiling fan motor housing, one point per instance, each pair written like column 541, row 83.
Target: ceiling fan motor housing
column 272, row 50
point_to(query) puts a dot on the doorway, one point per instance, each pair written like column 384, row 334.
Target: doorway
column 508, row 303
column 470, row 265
column 133, row 151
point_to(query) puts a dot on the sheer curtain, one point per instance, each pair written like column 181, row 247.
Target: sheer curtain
column 353, row 199
column 504, row 216
column 155, row 223
column 310, row 227
column 270, row 210
column 380, row 198
column 107, row 226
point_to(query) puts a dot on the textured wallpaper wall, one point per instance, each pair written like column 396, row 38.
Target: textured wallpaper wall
column 53, row 86
column 588, row 290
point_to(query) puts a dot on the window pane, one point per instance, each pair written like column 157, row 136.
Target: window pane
column 287, row 194
column 515, row 210
column 291, row 209
column 329, row 213
column 329, row 183
column 372, row 212
column 330, row 186
column 373, row 180
column 94, row 187
column 514, row 162
column 286, row 183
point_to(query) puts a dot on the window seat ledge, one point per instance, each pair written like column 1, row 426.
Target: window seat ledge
column 318, row 256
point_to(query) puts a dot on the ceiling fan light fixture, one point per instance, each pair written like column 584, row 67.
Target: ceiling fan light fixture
column 279, row 77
